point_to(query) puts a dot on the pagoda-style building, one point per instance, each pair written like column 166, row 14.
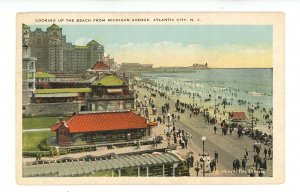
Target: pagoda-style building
column 110, row 93
column 99, row 67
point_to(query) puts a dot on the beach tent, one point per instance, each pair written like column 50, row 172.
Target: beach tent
column 238, row 116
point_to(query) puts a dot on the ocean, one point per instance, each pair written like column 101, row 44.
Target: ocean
column 255, row 86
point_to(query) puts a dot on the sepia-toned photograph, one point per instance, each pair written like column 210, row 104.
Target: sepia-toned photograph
column 165, row 98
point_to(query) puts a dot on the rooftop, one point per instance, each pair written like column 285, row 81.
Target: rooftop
column 100, row 65
column 93, row 42
column 54, row 27
column 109, row 80
column 105, row 121
column 63, row 90
column 41, row 75
column 74, row 167
column 80, row 47
column 238, row 115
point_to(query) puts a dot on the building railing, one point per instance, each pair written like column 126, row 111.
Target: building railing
column 108, row 97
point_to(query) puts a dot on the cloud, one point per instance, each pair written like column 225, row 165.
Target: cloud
column 166, row 53
column 82, row 41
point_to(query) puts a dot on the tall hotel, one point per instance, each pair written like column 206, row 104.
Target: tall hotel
column 55, row 55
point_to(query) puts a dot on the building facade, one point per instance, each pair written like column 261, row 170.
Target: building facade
column 55, row 55
column 28, row 67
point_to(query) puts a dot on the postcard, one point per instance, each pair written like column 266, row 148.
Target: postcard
column 150, row 98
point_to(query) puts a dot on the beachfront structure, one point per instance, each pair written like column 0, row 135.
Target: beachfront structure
column 60, row 95
column 110, row 92
column 238, row 116
column 56, row 55
column 105, row 92
column 135, row 165
column 136, row 66
column 98, row 68
column 90, row 128
column 200, row 66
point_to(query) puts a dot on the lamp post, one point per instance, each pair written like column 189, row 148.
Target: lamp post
column 168, row 132
column 203, row 141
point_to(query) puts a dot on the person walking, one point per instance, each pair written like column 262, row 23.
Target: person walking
column 215, row 164
column 234, row 165
column 266, row 152
column 257, row 150
column 247, row 154
column 269, row 153
column 201, row 162
column 258, row 163
column 192, row 160
column 216, row 157
column 264, row 164
column 185, row 142
column 211, row 166
column 238, row 165
column 197, row 169
column 244, row 162
column 215, row 129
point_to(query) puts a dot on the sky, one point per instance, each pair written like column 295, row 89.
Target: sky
column 221, row 46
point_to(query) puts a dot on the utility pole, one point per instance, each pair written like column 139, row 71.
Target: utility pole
column 203, row 142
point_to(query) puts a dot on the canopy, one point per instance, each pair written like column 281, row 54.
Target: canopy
column 56, row 95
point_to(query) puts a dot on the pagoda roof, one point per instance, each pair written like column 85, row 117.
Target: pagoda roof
column 109, row 80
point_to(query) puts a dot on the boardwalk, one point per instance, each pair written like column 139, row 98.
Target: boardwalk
column 229, row 147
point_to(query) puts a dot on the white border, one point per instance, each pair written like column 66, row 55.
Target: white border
column 8, row 12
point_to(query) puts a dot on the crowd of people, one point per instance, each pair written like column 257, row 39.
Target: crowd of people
column 182, row 138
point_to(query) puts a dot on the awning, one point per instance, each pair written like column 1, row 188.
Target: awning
column 114, row 90
column 56, row 95
column 80, row 168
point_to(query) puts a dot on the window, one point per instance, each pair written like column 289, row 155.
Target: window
column 38, row 42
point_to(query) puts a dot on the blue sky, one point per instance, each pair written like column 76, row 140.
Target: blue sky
column 206, row 35
column 179, row 45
